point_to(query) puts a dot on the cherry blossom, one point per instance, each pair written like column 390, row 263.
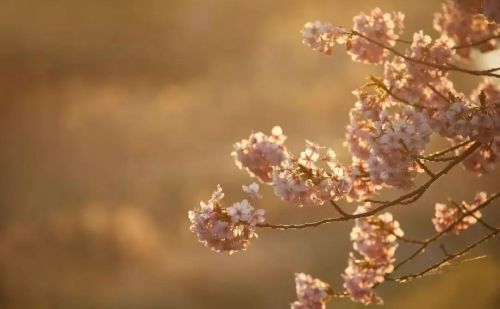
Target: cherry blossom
column 445, row 215
column 225, row 229
column 375, row 239
column 483, row 160
column 303, row 182
column 384, row 28
column 311, row 293
column 252, row 190
column 260, row 153
column 474, row 118
column 359, row 280
column 390, row 126
column 388, row 144
column 466, row 27
column 423, row 48
column 240, row 211
column 323, row 36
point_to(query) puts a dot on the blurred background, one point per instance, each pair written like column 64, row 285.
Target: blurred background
column 117, row 117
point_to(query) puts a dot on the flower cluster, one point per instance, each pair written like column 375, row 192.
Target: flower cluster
column 477, row 118
column 424, row 49
column 323, row 36
column 252, row 190
column 482, row 161
column 446, row 216
column 301, row 181
column 260, row 153
column 387, row 143
column 466, row 27
column 413, row 80
column 384, row 28
column 391, row 124
column 311, row 293
column 225, row 229
column 374, row 238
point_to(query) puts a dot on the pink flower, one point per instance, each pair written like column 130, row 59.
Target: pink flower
column 384, row 28
column 311, row 293
column 241, row 211
column 323, row 36
column 303, row 182
column 225, row 229
column 465, row 27
column 387, row 145
column 260, row 153
column 446, row 216
column 423, row 48
column 374, row 238
column 252, row 190
column 359, row 280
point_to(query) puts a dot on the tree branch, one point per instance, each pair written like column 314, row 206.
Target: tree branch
column 436, row 236
column 445, row 67
column 448, row 258
column 404, row 199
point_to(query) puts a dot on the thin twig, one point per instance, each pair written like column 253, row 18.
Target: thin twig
column 425, row 168
column 437, row 159
column 480, row 42
column 339, row 209
column 446, row 260
column 375, row 201
column 438, row 235
column 410, row 241
column 447, row 150
column 382, row 86
column 478, row 219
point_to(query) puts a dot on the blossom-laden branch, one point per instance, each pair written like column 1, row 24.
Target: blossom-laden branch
column 391, row 124
column 367, row 236
column 412, row 196
column 446, row 230
column 480, row 42
column 469, row 45
column 445, row 67
column 446, row 260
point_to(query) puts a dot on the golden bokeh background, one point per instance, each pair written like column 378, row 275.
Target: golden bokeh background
column 117, row 117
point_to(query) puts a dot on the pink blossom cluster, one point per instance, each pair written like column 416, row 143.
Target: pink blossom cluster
column 311, row 293
column 388, row 144
column 483, row 160
column 260, row 153
column 477, row 118
column 446, row 216
column 384, row 28
column 301, row 181
column 465, row 27
column 437, row 52
column 413, row 81
column 225, row 229
column 375, row 239
column 323, row 36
